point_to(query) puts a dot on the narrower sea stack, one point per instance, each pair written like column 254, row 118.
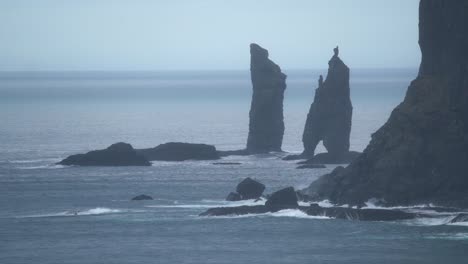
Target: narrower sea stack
column 329, row 118
column 420, row 155
column 266, row 125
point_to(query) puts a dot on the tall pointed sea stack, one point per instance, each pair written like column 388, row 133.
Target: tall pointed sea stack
column 329, row 118
column 420, row 155
column 266, row 125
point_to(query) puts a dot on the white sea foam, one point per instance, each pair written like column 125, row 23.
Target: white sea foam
column 449, row 236
column 35, row 160
column 293, row 213
column 50, row 166
column 93, row 211
column 212, row 204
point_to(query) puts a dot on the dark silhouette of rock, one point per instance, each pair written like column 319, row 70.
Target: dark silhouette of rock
column 250, row 189
column 420, row 155
column 177, row 151
column 233, row 196
column 266, row 125
column 360, row 214
column 118, row 154
column 283, row 199
column 142, row 197
column 329, row 118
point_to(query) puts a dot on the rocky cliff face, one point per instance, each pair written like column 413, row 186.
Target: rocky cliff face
column 266, row 125
column 420, row 155
column 329, row 118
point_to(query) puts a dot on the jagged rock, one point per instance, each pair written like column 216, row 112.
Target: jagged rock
column 250, row 189
column 329, row 118
column 233, row 196
column 266, row 125
column 177, row 151
column 118, row 154
column 283, row 199
column 142, row 197
column 420, row 155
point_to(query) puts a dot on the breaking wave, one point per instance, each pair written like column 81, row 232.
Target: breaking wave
column 93, row 211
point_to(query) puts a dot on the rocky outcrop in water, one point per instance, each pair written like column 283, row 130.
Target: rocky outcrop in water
column 420, row 155
column 287, row 199
column 329, row 118
column 283, row 199
column 266, row 125
column 142, row 197
column 119, row 154
column 177, row 151
column 247, row 189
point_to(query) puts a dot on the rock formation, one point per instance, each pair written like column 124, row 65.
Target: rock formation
column 177, row 151
column 119, row 154
column 283, row 199
column 266, row 125
column 247, row 189
column 329, row 118
column 287, row 199
column 420, row 155
column 142, row 197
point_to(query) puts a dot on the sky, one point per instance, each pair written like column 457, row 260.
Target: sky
column 154, row 35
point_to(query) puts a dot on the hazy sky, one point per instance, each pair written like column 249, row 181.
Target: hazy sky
column 205, row 34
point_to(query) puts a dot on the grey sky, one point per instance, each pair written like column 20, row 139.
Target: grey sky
column 205, row 34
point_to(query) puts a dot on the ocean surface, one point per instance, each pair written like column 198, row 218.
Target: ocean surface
column 58, row 214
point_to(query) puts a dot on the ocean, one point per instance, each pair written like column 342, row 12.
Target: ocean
column 58, row 214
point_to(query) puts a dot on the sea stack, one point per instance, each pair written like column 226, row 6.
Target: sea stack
column 329, row 118
column 266, row 125
column 420, row 155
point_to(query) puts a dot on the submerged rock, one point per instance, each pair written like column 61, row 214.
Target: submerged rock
column 233, row 196
column 266, row 125
column 420, row 154
column 460, row 218
column 142, row 197
column 177, row 151
column 118, row 154
column 311, row 166
column 329, row 118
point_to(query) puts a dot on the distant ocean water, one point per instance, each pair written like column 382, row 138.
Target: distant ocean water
column 58, row 214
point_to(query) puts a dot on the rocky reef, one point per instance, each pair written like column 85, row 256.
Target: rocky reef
column 287, row 199
column 420, row 155
column 177, row 151
column 118, row 154
column 266, row 125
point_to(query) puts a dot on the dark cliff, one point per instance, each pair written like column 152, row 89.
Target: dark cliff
column 266, row 125
column 420, row 155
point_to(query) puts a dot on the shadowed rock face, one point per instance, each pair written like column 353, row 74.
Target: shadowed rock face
column 329, row 118
column 266, row 125
column 178, row 151
column 420, row 155
column 118, row 154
